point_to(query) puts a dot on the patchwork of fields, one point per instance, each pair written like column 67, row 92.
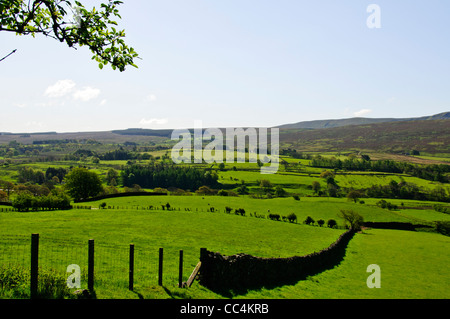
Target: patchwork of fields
column 413, row 263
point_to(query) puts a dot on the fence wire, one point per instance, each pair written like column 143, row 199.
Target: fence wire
column 111, row 262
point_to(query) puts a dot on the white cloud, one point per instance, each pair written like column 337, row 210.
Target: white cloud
column 151, row 97
column 153, row 121
column 65, row 87
column 362, row 112
column 60, row 88
column 103, row 102
column 86, row 94
column 20, row 105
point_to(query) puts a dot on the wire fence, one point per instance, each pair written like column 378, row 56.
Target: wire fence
column 111, row 261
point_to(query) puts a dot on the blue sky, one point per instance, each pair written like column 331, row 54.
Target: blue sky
column 236, row 63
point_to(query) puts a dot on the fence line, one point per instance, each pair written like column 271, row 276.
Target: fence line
column 110, row 267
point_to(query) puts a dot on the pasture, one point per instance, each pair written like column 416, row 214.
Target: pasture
column 413, row 264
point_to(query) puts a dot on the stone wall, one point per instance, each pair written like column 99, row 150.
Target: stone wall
column 244, row 271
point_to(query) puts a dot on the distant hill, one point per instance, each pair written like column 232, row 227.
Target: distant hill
column 398, row 137
column 428, row 134
column 358, row 121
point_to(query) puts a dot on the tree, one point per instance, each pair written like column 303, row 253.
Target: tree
column 331, row 223
column 71, row 24
column 3, row 196
column 266, row 185
column 351, row 217
column 82, row 184
column 309, row 221
column 111, row 177
column 315, row 186
column 23, row 201
column 279, row 191
column 292, row 218
column 354, row 195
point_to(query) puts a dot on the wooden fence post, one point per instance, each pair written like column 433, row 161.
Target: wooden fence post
column 180, row 272
column 91, row 265
column 160, row 272
column 34, row 265
column 131, row 274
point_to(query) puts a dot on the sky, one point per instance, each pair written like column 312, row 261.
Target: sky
column 236, row 63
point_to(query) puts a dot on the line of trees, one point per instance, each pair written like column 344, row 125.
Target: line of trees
column 438, row 173
column 31, row 175
column 25, row 201
column 167, row 175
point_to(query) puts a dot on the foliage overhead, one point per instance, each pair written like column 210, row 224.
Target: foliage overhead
column 72, row 24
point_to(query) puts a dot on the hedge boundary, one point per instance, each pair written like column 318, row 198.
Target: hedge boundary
column 93, row 199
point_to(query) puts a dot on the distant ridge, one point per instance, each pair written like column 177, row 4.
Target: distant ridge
column 318, row 124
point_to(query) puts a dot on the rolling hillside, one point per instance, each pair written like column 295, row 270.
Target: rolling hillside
column 428, row 136
column 358, row 121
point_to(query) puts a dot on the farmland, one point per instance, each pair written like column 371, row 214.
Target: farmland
column 233, row 216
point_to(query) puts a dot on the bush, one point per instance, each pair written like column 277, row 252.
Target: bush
column 443, row 227
column 15, row 281
column 292, row 218
column 441, row 209
column 331, row 223
column 274, row 216
column 309, row 221
column 385, row 204
column 296, row 197
column 320, row 222
column 222, row 192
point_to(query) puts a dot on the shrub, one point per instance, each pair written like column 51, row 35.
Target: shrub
column 320, row 222
column 441, row 209
column 309, row 221
column 443, row 227
column 385, row 204
column 228, row 209
column 274, row 216
column 222, row 192
column 204, row 190
column 296, row 197
column 331, row 223
column 14, row 283
column 292, row 218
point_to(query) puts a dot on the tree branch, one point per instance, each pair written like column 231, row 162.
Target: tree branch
column 13, row 51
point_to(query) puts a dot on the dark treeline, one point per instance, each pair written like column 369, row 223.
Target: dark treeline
column 405, row 190
column 166, row 176
column 429, row 172
column 54, row 175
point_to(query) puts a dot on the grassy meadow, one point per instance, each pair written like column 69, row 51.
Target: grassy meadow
column 413, row 263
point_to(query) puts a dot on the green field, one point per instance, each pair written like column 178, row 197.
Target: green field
column 413, row 264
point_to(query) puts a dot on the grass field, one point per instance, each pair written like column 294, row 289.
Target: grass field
column 413, row 264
